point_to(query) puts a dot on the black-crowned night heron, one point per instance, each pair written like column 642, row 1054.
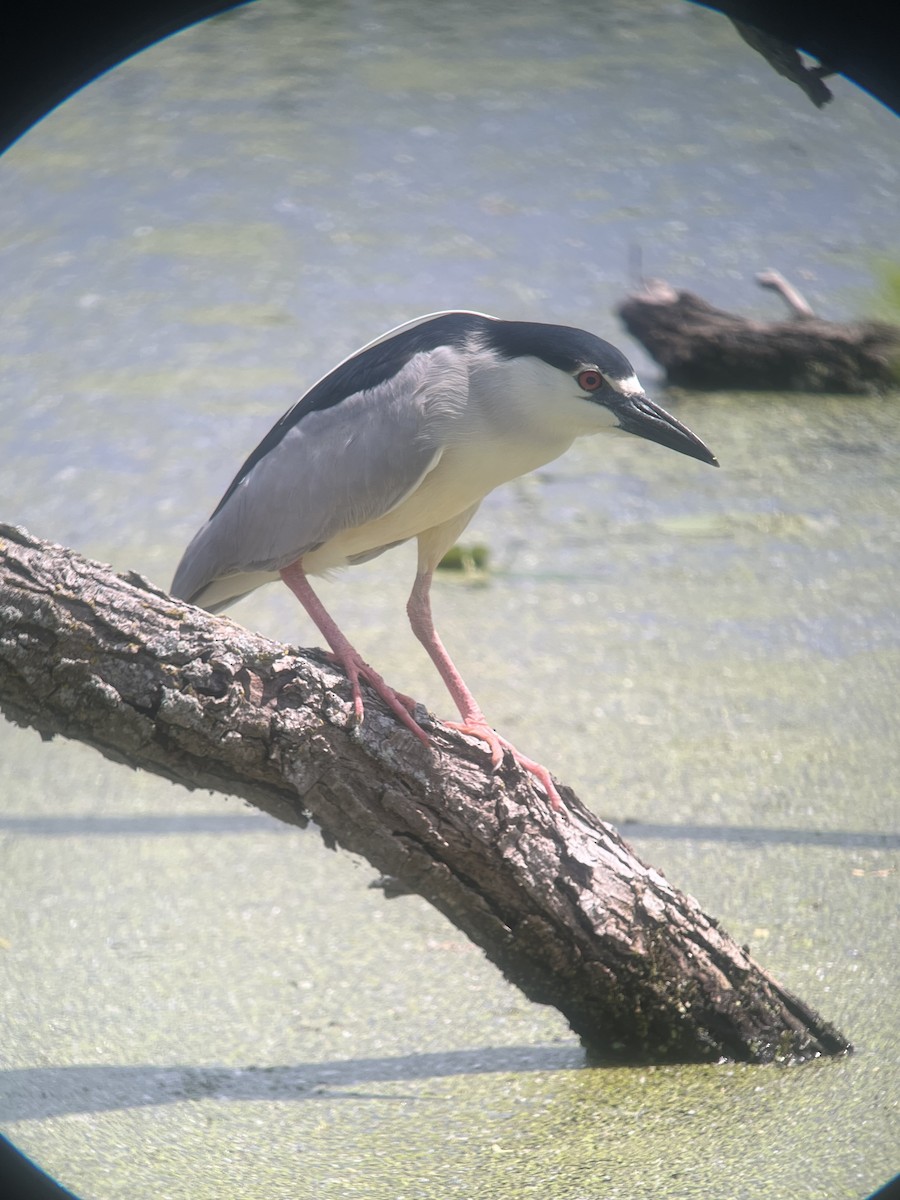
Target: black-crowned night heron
column 404, row 439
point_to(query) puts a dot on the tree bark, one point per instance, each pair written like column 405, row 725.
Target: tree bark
column 556, row 900
column 703, row 347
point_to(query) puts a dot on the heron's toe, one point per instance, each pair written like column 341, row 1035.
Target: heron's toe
column 484, row 733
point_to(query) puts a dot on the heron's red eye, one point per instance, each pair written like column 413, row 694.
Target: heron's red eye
column 590, row 381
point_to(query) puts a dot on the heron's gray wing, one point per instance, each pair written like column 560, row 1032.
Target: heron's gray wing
column 337, row 468
column 379, row 361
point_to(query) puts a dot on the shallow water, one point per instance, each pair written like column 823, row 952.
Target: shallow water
column 709, row 657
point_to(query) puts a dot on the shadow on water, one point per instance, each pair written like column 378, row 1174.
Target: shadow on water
column 227, row 823
column 40, row 1092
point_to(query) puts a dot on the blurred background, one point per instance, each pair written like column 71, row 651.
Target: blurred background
column 198, row 1001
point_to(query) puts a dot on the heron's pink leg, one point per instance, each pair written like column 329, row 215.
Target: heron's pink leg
column 474, row 723
column 348, row 658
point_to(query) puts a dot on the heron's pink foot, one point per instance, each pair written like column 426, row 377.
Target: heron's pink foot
column 496, row 746
column 361, row 667
column 473, row 720
column 344, row 655
column 356, row 668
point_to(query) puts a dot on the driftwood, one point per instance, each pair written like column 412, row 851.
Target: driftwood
column 556, row 900
column 704, row 347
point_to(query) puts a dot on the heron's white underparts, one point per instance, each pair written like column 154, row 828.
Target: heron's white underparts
column 402, row 440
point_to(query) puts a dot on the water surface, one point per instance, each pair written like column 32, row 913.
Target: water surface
column 710, row 657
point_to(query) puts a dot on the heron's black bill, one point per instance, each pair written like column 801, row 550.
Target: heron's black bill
column 642, row 417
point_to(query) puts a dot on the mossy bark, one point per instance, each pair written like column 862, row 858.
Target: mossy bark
column 558, row 901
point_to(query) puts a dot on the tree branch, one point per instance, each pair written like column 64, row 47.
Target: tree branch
column 557, row 901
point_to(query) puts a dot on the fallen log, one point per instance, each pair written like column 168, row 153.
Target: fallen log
column 557, row 900
column 707, row 348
